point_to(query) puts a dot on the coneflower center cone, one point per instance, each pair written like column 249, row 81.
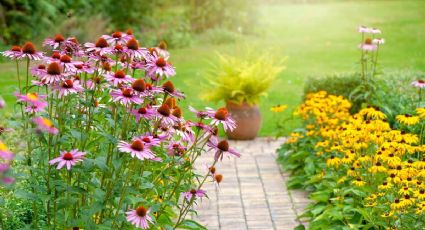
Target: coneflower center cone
column 119, row 74
column 68, row 84
column 132, row 44
column 137, row 145
column 54, row 69
column 223, row 145
column 164, row 110
column 101, row 43
column 168, row 87
column 161, row 62
column 68, row 156
column 139, row 85
column 28, row 48
column 141, row 211
column 221, row 114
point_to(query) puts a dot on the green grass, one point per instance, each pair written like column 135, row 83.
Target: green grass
column 318, row 39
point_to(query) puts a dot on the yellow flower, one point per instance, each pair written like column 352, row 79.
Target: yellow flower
column 385, row 185
column 387, row 214
column 3, row 147
column 358, row 182
column 333, row 161
column 420, row 194
column 420, row 112
column 396, row 205
column 407, row 119
column 278, row 108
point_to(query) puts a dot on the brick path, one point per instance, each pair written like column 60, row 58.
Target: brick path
column 253, row 193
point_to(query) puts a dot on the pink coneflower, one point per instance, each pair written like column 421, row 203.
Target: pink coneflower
column 419, row 83
column 364, row 29
column 143, row 112
column 2, row 103
column 118, row 77
column 199, row 113
column 185, row 132
column 34, row 108
column 29, row 51
column 67, row 63
column 7, row 180
column 4, row 167
column 175, row 149
column 38, row 70
column 14, row 53
column 368, row 45
column 157, row 65
column 168, row 88
column 32, row 99
column 221, row 116
column 136, row 148
column 55, row 42
column 221, row 148
column 53, row 73
column 164, row 114
column 101, row 46
column 378, row 41
column 133, row 50
column 117, row 38
column 44, row 124
column 68, row 87
column 139, row 217
column 375, row 31
column 193, row 194
column 149, row 140
column 83, row 67
column 161, row 50
column 125, row 96
column 68, row 158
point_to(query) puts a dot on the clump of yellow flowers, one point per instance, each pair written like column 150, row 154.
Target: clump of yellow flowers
column 363, row 152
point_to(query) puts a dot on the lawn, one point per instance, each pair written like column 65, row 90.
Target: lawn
column 318, row 39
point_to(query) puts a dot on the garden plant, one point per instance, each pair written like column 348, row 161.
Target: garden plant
column 365, row 169
column 97, row 139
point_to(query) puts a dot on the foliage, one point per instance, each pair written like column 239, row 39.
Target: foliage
column 242, row 79
column 361, row 171
column 97, row 139
column 236, row 15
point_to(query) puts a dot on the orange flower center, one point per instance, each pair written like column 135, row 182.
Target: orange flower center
column 164, row 110
column 117, row 34
column 223, row 145
column 16, row 48
column 221, row 114
column 54, row 69
column 68, row 156
column 142, row 111
column 139, row 85
column 68, row 84
column 132, row 44
column 161, row 62
column 127, row 92
column 65, row 58
column 137, row 145
column 28, row 48
column 59, row 38
column 141, row 211
column 168, row 87
column 101, row 43
column 119, row 74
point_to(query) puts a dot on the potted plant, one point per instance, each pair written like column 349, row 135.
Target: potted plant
column 240, row 82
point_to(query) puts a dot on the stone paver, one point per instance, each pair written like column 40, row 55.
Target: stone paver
column 253, row 193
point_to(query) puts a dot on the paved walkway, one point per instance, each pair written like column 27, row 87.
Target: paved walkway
column 253, row 192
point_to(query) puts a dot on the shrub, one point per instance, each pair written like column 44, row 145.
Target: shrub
column 242, row 79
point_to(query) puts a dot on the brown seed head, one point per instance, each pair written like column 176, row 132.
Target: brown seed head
column 137, row 145
column 28, row 48
column 139, row 85
column 54, row 68
column 101, row 43
column 168, row 87
column 164, row 110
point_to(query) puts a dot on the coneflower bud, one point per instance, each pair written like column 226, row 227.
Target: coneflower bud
column 221, row 114
column 139, row 85
column 215, row 131
column 41, row 67
column 212, row 169
column 101, row 43
column 73, row 40
column 177, row 112
column 162, row 45
column 171, row 102
column 59, row 38
column 106, row 66
column 168, row 87
column 96, row 103
column 368, row 41
column 142, row 110
column 132, row 44
column 218, row 178
column 119, row 74
column 54, row 69
column 28, row 48
column 127, row 92
column 164, row 110
column 152, row 50
column 129, row 31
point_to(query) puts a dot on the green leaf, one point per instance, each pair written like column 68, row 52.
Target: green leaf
column 320, row 196
column 191, row 224
column 300, row 227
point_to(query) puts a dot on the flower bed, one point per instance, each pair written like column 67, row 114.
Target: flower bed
column 100, row 140
column 361, row 171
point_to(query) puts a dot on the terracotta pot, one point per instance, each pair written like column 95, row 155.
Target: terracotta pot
column 248, row 121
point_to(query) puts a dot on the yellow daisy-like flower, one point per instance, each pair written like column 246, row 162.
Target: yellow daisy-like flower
column 333, row 161
column 405, row 191
column 407, row 119
column 358, row 182
column 396, row 205
column 385, row 185
column 3, row 147
column 278, row 108
column 420, row 112
column 420, row 194
column 387, row 214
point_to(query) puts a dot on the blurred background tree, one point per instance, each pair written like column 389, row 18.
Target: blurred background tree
column 175, row 21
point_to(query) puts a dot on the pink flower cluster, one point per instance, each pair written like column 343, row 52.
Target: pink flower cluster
column 370, row 44
column 116, row 74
